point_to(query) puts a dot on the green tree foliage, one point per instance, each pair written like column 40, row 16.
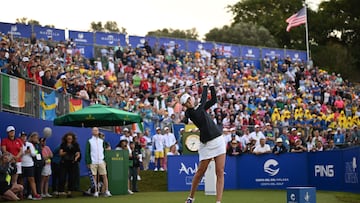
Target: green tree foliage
column 27, row 21
column 242, row 33
column 96, row 26
column 271, row 14
column 185, row 34
column 111, row 26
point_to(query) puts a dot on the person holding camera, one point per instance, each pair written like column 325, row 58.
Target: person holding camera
column 8, row 190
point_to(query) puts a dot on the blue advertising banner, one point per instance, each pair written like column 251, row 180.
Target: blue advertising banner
column 193, row 45
column 351, row 161
column 16, row 30
column 272, row 171
column 227, row 50
column 248, row 52
column 86, row 50
column 296, row 55
column 136, row 41
column 109, row 39
column 181, row 170
column 326, row 170
column 47, row 33
column 153, row 41
column 272, row 53
column 81, row 37
column 172, row 41
column 256, row 63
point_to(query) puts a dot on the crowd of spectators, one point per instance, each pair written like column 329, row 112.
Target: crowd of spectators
column 283, row 94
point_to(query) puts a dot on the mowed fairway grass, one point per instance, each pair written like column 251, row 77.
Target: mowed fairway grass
column 245, row 196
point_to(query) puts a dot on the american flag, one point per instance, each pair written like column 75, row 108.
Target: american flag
column 297, row 19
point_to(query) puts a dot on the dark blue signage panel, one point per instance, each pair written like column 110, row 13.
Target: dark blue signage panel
column 86, row 50
column 81, row 37
column 227, row 50
column 272, row 53
column 109, row 39
column 296, row 55
column 47, row 33
column 16, row 30
column 172, row 41
column 248, row 52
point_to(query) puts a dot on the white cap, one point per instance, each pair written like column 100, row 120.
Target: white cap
column 25, row 59
column 293, row 129
column 279, row 140
column 184, row 98
column 126, row 129
column 166, row 128
column 267, row 124
column 63, row 77
column 158, row 128
column 181, row 129
column 257, row 126
column 10, row 128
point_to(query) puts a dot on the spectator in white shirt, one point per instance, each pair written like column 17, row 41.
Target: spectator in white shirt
column 158, row 141
column 257, row 135
column 262, row 148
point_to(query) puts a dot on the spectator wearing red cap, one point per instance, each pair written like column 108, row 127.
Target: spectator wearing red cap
column 14, row 146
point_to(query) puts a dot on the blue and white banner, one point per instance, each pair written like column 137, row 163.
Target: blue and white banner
column 172, row 41
column 351, row 161
column 272, row 171
column 227, row 50
column 272, row 53
column 81, row 37
column 256, row 63
column 109, row 39
column 296, row 55
column 86, row 50
column 16, row 30
column 47, row 33
column 248, row 52
column 193, row 45
column 136, row 41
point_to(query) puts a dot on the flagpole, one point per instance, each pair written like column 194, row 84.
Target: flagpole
column 307, row 34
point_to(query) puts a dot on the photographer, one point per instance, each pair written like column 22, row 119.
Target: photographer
column 8, row 168
column 134, row 165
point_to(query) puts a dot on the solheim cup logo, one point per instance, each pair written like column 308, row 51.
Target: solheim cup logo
column 81, row 35
column 270, row 167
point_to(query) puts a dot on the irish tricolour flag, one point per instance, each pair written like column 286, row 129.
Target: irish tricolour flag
column 13, row 91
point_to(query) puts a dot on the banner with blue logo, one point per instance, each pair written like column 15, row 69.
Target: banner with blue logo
column 272, row 53
column 326, row 170
column 272, row 171
column 16, row 30
column 351, row 160
column 153, row 41
column 181, row 171
column 256, row 63
column 193, row 45
column 296, row 55
column 227, row 50
column 248, row 52
column 172, row 41
column 86, row 50
column 109, row 39
column 48, row 32
column 81, row 37
column 136, row 41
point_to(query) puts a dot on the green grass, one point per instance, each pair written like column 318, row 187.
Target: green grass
column 153, row 189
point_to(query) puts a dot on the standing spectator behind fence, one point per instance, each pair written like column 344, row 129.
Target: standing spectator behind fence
column 39, row 162
column 46, row 171
column 279, row 148
column 70, row 156
column 146, row 144
column 55, row 169
column 134, row 165
column 262, row 148
column 158, row 141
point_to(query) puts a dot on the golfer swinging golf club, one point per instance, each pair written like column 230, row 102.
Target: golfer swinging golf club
column 212, row 144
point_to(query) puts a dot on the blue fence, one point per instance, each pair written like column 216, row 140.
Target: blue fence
column 329, row 170
column 87, row 40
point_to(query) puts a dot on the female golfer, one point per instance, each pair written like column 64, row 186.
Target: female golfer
column 212, row 144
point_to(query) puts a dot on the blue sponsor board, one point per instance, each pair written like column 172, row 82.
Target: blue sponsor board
column 109, row 39
column 296, row 55
column 351, row 160
column 193, row 45
column 326, row 170
column 255, row 63
column 272, row 53
column 49, row 33
column 271, row 171
column 250, row 53
column 301, row 195
column 16, row 30
column 136, row 41
column 172, row 41
column 86, row 50
column 227, row 50
column 81, row 37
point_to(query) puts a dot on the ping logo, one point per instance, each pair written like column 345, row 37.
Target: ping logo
column 324, row 170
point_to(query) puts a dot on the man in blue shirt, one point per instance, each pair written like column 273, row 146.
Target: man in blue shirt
column 339, row 137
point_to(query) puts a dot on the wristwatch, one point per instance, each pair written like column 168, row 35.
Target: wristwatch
column 192, row 142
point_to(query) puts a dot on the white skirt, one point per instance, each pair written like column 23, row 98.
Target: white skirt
column 212, row 149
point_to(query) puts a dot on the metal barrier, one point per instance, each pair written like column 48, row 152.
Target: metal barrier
column 32, row 99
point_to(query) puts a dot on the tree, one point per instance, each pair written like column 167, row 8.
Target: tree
column 51, row 26
column 111, row 26
column 185, row 34
column 242, row 33
column 96, row 26
column 27, row 21
column 271, row 14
